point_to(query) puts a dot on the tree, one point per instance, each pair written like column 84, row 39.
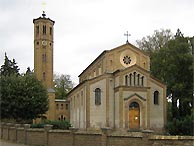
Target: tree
column 173, row 64
column 28, row 71
column 63, row 85
column 23, row 98
column 152, row 43
column 9, row 67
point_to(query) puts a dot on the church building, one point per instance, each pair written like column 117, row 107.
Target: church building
column 116, row 90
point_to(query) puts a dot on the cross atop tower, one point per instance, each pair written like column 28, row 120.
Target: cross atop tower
column 127, row 34
column 43, row 14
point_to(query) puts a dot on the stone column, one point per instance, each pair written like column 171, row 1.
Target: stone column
column 9, row 125
column 105, row 132
column 2, row 125
column 46, row 133
column 73, row 130
column 26, row 127
column 16, row 129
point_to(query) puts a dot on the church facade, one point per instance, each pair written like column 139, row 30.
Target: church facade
column 116, row 90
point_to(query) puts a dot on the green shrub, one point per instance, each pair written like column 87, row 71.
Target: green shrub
column 38, row 125
column 56, row 124
column 182, row 126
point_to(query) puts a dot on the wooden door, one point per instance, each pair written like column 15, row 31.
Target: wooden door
column 134, row 116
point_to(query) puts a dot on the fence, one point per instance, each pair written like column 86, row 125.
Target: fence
column 74, row 137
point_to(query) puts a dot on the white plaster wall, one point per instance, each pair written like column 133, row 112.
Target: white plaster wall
column 156, row 111
column 72, row 112
column 117, row 81
column 117, row 110
column 81, row 117
column 98, row 112
column 83, row 108
column 78, row 109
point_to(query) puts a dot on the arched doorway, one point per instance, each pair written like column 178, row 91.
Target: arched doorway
column 134, row 116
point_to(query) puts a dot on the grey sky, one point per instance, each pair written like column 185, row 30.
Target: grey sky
column 84, row 28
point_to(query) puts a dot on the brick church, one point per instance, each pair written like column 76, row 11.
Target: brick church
column 116, row 90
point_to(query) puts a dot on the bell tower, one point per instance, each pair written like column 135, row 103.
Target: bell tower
column 43, row 49
column 43, row 58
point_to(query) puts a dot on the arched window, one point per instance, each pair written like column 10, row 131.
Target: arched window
column 142, row 80
column 62, row 106
column 97, row 96
column 134, row 75
column 44, row 29
column 138, row 77
column 126, row 80
column 66, row 106
column 156, row 97
column 61, row 118
column 130, row 79
column 134, row 105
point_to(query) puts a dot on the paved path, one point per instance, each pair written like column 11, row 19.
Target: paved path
column 5, row 143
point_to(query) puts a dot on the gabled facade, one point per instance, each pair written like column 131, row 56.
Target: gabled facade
column 116, row 90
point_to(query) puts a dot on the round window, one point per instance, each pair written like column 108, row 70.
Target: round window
column 127, row 59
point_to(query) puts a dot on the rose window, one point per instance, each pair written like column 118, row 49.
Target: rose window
column 127, row 60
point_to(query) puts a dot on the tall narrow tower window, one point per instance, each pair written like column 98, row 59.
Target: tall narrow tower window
column 50, row 30
column 37, row 29
column 44, row 29
column 43, row 57
column 44, row 76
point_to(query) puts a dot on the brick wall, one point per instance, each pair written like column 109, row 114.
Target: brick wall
column 12, row 134
column 86, row 139
column 60, row 138
column 35, row 137
column 4, row 131
column 20, row 135
column 123, row 140
column 73, row 137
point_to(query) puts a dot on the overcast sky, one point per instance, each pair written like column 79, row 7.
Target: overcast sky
column 85, row 28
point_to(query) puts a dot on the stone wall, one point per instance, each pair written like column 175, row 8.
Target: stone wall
column 73, row 137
